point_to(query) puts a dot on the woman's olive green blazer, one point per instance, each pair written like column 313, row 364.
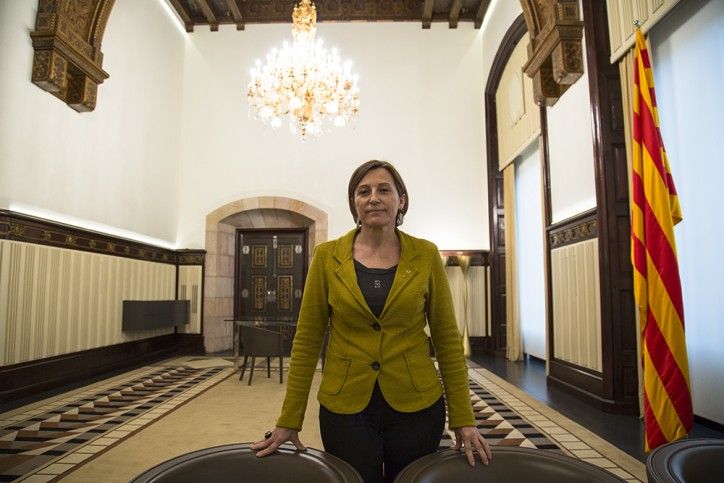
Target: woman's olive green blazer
column 391, row 349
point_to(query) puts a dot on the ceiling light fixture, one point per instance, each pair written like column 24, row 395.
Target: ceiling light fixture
column 303, row 82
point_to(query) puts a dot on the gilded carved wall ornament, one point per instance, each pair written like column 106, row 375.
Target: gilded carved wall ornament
column 555, row 52
column 574, row 234
column 17, row 230
column 67, row 41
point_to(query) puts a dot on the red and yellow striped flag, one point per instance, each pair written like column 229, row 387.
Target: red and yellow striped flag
column 668, row 413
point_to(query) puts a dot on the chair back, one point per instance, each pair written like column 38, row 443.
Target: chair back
column 238, row 463
column 258, row 341
column 687, row 461
column 509, row 464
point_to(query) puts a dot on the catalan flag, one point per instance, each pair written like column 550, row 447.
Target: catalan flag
column 668, row 414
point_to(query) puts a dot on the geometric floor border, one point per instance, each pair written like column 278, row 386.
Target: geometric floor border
column 500, row 424
column 560, row 433
column 43, row 442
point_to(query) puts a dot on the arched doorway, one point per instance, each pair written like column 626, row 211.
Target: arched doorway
column 267, row 212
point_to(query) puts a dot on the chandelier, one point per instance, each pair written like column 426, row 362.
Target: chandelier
column 303, row 82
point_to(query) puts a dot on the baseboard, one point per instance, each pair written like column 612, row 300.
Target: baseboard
column 586, row 387
column 190, row 344
column 25, row 379
column 481, row 345
column 708, row 423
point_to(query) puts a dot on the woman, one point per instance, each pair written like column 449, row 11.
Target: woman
column 381, row 404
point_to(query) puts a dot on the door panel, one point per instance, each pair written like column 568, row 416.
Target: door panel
column 271, row 267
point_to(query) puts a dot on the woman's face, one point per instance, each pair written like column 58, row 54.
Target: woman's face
column 377, row 200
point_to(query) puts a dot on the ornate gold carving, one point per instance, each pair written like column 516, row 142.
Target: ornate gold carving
column 67, row 41
column 16, row 229
column 284, row 292
column 258, row 256
column 258, row 288
column 70, row 240
column 92, row 244
column 574, row 234
column 285, row 256
column 111, row 247
column 191, row 260
column 555, row 53
column 46, row 235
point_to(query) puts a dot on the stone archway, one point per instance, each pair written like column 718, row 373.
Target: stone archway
column 221, row 226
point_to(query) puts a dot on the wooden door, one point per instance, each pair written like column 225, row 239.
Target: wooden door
column 271, row 266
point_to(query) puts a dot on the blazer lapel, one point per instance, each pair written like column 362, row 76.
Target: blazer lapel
column 346, row 272
column 406, row 270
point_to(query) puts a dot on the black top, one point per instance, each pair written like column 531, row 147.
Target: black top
column 375, row 284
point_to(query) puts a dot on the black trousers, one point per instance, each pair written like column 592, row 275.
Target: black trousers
column 379, row 441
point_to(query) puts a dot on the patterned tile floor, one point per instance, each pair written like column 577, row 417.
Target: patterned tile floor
column 43, row 441
column 569, row 437
column 40, row 442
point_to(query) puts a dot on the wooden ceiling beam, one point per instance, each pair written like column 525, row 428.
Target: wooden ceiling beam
column 184, row 14
column 236, row 13
column 455, row 14
column 480, row 14
column 209, row 14
column 427, row 13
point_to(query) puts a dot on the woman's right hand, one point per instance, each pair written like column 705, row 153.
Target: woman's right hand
column 278, row 437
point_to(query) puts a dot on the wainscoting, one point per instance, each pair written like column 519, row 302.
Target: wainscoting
column 61, row 296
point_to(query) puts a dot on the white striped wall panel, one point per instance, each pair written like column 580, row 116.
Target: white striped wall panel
column 576, row 304
column 478, row 298
column 621, row 17
column 56, row 301
column 189, row 288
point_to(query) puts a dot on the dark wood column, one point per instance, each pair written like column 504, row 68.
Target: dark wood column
column 616, row 388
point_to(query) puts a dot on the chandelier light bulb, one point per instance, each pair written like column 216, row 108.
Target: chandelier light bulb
column 304, row 82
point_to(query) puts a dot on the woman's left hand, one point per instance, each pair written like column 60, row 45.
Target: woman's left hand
column 469, row 438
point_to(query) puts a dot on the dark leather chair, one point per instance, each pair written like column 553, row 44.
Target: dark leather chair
column 238, row 463
column 261, row 342
column 687, row 461
column 510, row 464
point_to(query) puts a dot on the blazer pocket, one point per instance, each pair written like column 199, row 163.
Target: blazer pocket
column 422, row 370
column 334, row 374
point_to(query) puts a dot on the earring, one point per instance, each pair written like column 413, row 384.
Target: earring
column 359, row 222
column 400, row 218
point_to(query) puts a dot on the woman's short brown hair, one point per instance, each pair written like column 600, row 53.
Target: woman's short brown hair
column 362, row 171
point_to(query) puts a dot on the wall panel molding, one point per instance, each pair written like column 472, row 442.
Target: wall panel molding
column 39, row 231
column 573, row 230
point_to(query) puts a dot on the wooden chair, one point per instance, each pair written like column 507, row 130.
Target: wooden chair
column 261, row 342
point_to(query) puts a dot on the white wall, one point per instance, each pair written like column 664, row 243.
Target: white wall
column 570, row 150
column 421, row 108
column 686, row 50
column 117, row 165
column 529, row 251
column 570, row 147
